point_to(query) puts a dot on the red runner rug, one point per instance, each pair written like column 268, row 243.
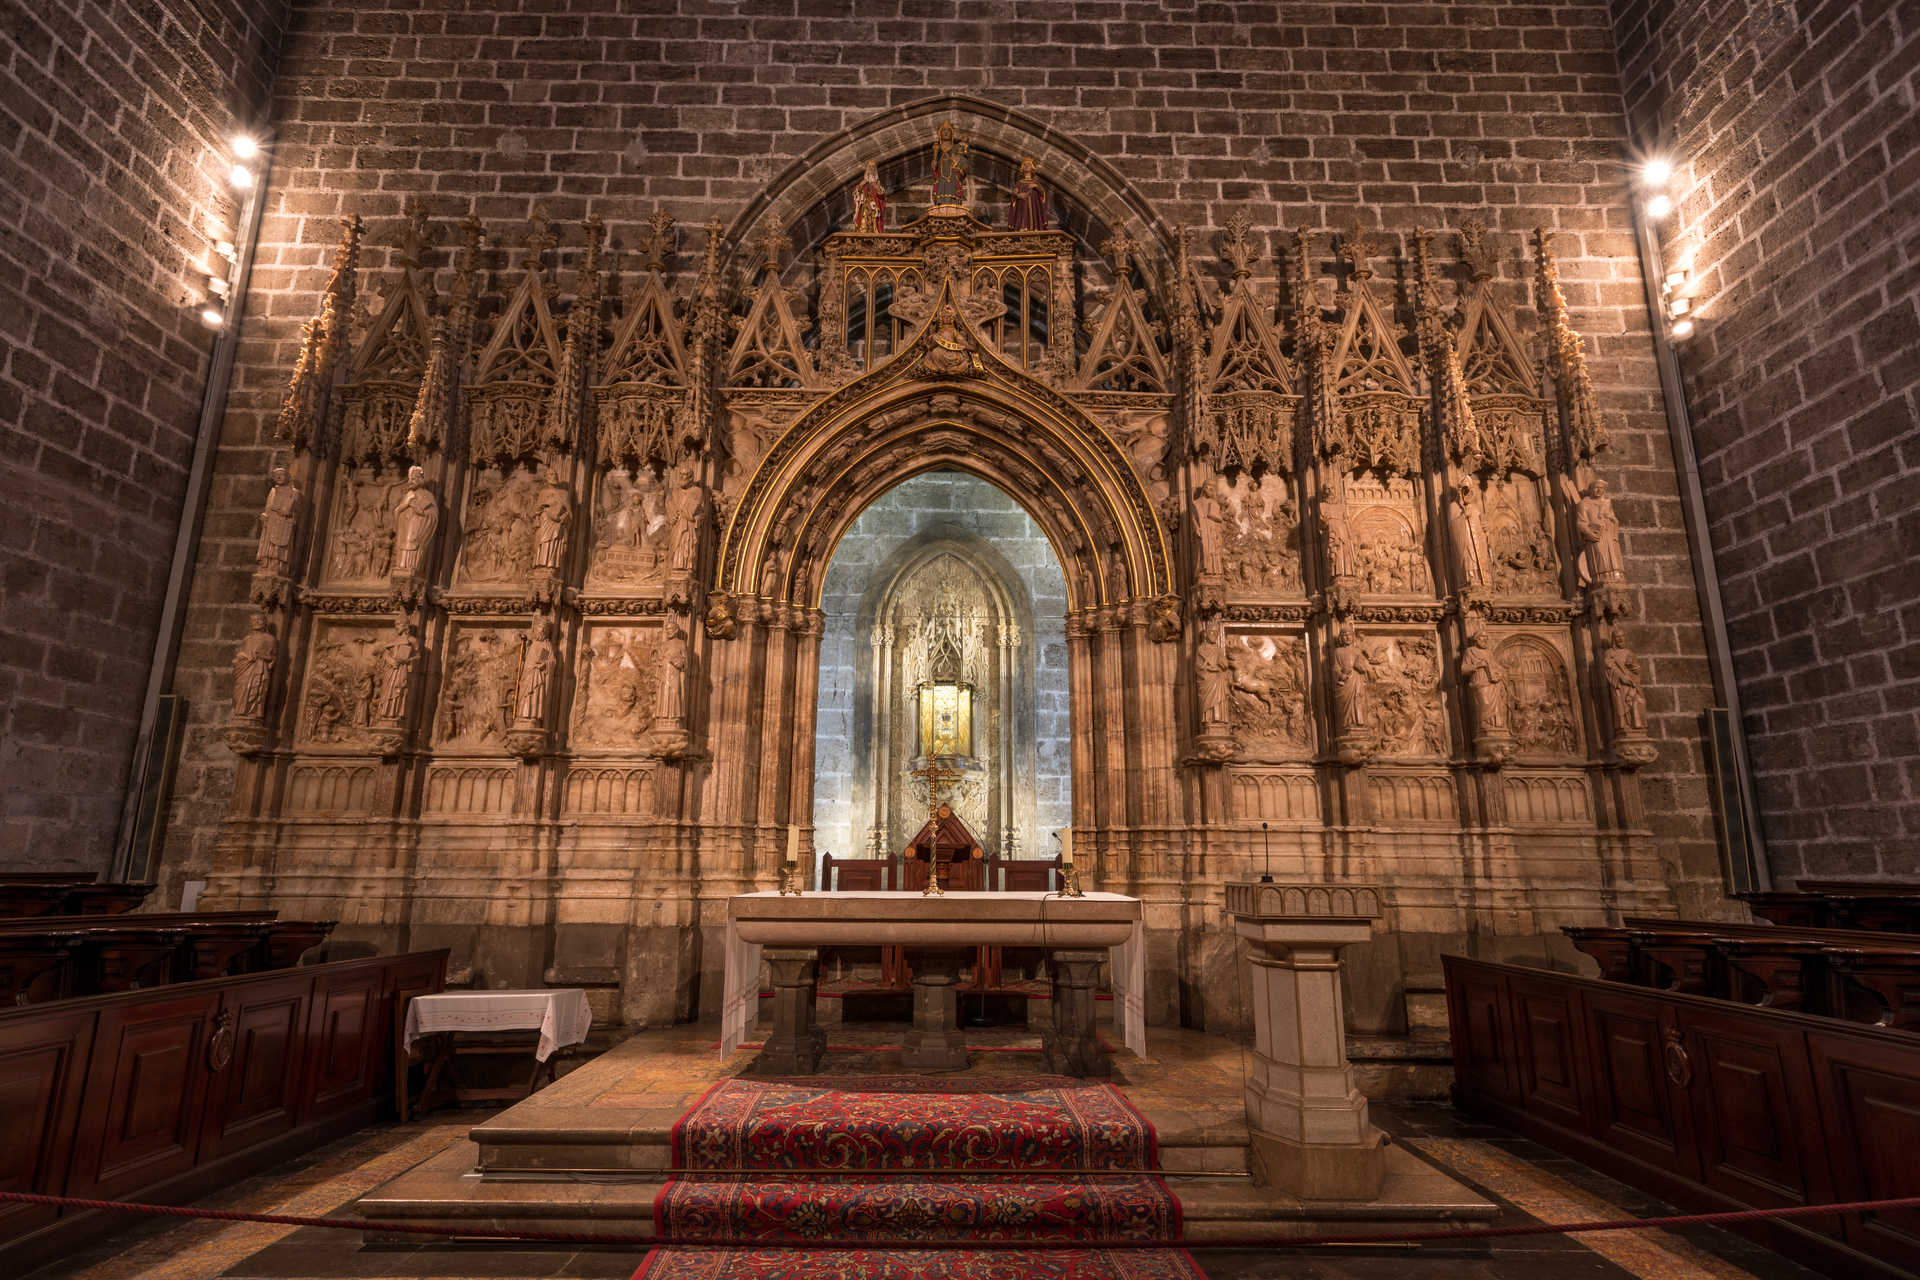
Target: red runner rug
column 914, row 1122
column 891, row 1162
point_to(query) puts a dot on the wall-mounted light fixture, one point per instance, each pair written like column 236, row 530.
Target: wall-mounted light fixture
column 244, row 154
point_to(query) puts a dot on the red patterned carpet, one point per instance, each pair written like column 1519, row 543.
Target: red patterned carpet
column 879, row 1165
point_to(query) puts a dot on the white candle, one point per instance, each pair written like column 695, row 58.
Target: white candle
column 793, row 843
column 1066, row 846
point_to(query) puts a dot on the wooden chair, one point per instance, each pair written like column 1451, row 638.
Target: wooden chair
column 856, row 875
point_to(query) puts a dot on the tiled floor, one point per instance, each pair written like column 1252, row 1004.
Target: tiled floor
column 1529, row 1182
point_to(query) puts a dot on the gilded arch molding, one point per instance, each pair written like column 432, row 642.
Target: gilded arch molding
column 995, row 422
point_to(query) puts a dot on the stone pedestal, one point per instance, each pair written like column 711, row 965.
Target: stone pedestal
column 795, row 1044
column 935, row 1043
column 1310, row 1133
column 1072, row 1047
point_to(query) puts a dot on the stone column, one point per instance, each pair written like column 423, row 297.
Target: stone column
column 935, row 1043
column 795, row 1045
column 1311, row 1135
column 1073, row 1049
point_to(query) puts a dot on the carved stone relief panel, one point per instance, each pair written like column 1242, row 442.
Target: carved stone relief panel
column 497, row 532
column 477, row 689
column 1539, row 697
column 469, row 789
column 1262, row 536
column 1271, row 713
column 340, row 700
column 1415, row 797
column 1403, row 699
column 1548, row 797
column 1520, row 544
column 1272, row 795
column 630, row 534
column 1389, row 537
column 360, row 535
column 617, row 687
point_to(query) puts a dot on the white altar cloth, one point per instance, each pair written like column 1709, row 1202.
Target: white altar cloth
column 1093, row 922
column 560, row 1015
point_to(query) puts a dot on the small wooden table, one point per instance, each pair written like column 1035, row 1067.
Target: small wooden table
column 560, row 1016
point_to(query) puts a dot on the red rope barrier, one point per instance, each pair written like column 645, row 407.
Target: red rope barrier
column 1723, row 1218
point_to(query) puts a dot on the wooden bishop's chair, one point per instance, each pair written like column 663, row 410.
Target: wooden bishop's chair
column 963, row 870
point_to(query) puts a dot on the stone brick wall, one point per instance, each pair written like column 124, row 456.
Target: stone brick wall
column 113, row 122
column 1298, row 115
column 1797, row 190
column 941, row 499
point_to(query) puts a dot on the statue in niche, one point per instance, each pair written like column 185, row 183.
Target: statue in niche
column 1027, row 208
column 1467, row 533
column 870, row 202
column 1403, row 683
column 950, row 356
column 1352, row 717
column 1336, row 534
column 415, row 518
column 1270, row 691
column 1538, row 697
column 1599, row 532
column 363, row 547
column 629, row 524
column 619, row 687
column 1620, row 668
column 1117, row 585
column 1215, row 680
column 394, row 662
column 687, row 512
column 670, row 738
column 477, row 702
column 553, row 516
column 536, row 674
column 278, row 519
column 253, row 670
column 1208, row 522
column 950, row 167
column 1485, row 681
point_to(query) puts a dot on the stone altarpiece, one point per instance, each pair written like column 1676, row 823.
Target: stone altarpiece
column 535, row 670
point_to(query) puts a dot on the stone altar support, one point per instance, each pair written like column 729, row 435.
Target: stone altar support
column 1309, row 1128
column 1075, row 930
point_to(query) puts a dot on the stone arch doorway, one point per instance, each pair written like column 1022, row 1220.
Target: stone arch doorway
column 942, row 538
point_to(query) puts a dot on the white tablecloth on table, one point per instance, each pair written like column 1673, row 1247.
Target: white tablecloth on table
column 561, row 1015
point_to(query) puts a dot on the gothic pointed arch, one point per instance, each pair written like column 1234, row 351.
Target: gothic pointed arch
column 947, row 400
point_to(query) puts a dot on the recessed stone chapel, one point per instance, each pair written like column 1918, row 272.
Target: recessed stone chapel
column 1086, row 639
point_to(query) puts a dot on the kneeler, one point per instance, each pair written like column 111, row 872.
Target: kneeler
column 965, row 872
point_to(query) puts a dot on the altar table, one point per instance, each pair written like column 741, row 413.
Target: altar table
column 787, row 930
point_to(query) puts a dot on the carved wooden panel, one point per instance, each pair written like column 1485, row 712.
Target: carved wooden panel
column 343, row 1031
column 1870, row 1116
column 1548, row 1030
column 1751, row 1093
column 1636, row 1109
column 1485, row 1057
column 42, row 1067
column 145, row 1093
column 256, row 1096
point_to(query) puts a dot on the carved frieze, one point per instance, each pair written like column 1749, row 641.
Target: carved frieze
column 1271, row 712
column 340, row 700
column 1261, row 537
column 1538, row 696
column 477, row 689
column 616, row 689
column 1401, row 705
column 1389, row 542
column 360, row 535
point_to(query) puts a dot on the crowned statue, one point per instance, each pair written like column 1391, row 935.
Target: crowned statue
column 949, row 169
column 1027, row 210
column 870, row 202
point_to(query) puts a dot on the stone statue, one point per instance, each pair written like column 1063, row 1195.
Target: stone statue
column 870, row 202
column 950, row 168
column 1621, row 670
column 1486, row 690
column 950, row 356
column 553, row 516
column 415, row 518
column 1351, row 716
column 253, row 670
column 676, row 651
column 394, row 664
column 1215, row 679
column 1599, row 532
column 536, row 674
column 1337, row 533
column 687, row 513
column 1208, row 524
column 1027, row 210
column 1466, row 531
column 277, row 521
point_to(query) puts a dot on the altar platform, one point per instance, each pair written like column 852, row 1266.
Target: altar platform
column 591, row 1152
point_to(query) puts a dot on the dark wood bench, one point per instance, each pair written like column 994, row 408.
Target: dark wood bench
column 31, row 894
column 60, row 957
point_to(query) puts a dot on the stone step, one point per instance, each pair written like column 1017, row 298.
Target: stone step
column 447, row 1190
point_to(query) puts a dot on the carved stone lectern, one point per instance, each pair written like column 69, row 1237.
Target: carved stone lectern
column 1311, row 1137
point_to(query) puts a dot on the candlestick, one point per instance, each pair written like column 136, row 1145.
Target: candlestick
column 790, row 868
column 1069, row 873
